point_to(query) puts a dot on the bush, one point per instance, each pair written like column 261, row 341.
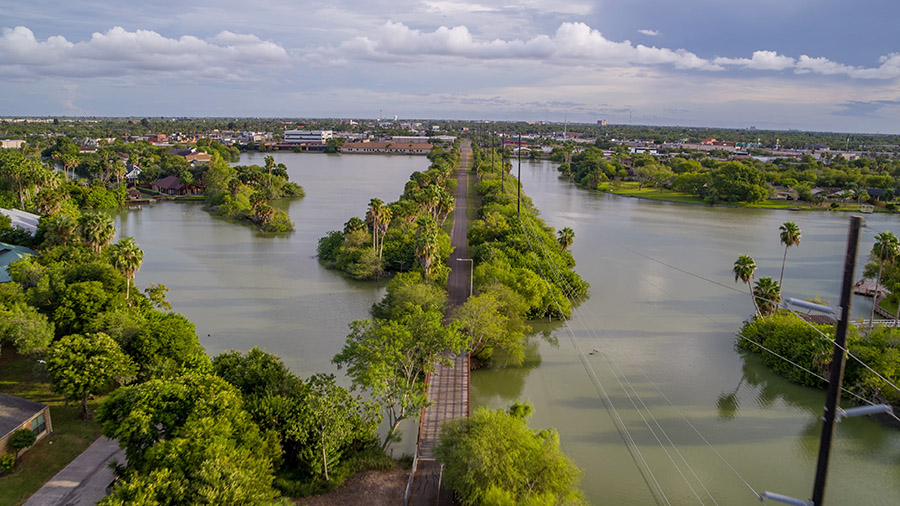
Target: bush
column 7, row 461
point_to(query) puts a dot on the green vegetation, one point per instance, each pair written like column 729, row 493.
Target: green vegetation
column 402, row 236
column 520, row 253
column 495, row 458
column 244, row 192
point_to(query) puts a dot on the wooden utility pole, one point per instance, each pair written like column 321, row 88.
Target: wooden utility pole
column 838, row 358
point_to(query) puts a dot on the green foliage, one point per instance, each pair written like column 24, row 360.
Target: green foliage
column 7, row 463
column 495, row 458
column 489, row 324
column 21, row 439
column 522, row 253
column 317, row 422
column 389, row 359
column 21, row 325
column 793, row 339
column 85, row 365
column 406, row 292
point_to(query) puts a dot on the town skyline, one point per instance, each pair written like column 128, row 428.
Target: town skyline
column 816, row 66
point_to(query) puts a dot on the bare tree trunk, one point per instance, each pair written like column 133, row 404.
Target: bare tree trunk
column 875, row 295
column 783, row 261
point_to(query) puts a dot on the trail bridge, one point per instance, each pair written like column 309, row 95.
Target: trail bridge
column 448, row 387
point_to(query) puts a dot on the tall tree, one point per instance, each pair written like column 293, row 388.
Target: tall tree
column 426, row 243
column 566, row 237
column 81, row 366
column 885, row 249
column 790, row 236
column 389, row 359
column 127, row 257
column 743, row 270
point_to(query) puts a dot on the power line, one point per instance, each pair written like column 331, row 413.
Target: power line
column 617, row 419
column 623, row 376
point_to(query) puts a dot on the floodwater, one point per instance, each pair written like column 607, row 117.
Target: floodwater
column 657, row 332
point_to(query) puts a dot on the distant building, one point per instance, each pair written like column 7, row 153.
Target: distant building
column 11, row 144
column 601, row 122
column 405, row 148
column 18, row 413
column 307, row 136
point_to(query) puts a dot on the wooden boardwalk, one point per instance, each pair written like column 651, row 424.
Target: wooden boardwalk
column 448, row 387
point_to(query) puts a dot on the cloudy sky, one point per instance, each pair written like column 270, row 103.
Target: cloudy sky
column 828, row 65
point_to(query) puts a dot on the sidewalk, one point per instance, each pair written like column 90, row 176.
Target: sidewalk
column 83, row 482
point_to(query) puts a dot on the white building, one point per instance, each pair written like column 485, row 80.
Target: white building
column 308, row 136
column 11, row 144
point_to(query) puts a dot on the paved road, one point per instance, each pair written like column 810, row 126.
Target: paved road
column 448, row 388
column 83, row 482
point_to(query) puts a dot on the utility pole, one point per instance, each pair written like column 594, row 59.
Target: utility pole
column 519, row 189
column 836, row 379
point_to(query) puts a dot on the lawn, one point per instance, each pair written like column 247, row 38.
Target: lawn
column 21, row 376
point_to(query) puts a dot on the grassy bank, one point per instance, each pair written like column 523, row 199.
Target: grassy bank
column 21, row 376
column 634, row 189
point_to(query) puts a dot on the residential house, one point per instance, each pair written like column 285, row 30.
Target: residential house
column 132, row 172
column 18, row 413
column 23, row 219
column 10, row 253
column 192, row 155
column 171, row 185
column 11, row 144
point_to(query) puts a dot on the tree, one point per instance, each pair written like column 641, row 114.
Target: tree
column 483, row 321
column 426, row 243
column 743, row 271
column 21, row 439
column 790, row 236
column 768, row 295
column 81, row 366
column 495, row 458
column 885, row 249
column 566, row 237
column 96, row 230
column 389, row 359
column 337, row 420
column 127, row 257
column 188, row 441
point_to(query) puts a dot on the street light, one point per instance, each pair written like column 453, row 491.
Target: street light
column 471, row 272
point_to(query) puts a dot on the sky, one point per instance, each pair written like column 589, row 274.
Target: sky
column 823, row 65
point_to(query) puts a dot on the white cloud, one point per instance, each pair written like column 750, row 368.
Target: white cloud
column 649, row 33
column 761, row 60
column 118, row 52
column 573, row 43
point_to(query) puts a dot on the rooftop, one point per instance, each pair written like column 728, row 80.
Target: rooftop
column 14, row 411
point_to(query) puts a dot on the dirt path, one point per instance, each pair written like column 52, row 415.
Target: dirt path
column 371, row 488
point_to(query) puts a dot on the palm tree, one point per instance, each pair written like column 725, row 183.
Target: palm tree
column 59, row 229
column 426, row 242
column 885, row 249
column 373, row 216
column 382, row 224
column 768, row 295
column 96, row 230
column 270, row 163
column 566, row 237
column 127, row 257
column 790, row 236
column 743, row 270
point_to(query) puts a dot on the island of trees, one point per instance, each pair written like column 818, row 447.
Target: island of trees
column 786, row 340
